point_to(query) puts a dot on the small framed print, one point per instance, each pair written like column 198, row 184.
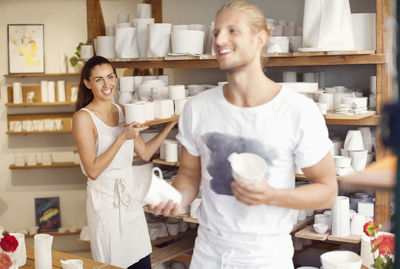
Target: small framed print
column 25, row 48
column 47, row 212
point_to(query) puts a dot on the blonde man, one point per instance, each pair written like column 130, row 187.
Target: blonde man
column 242, row 226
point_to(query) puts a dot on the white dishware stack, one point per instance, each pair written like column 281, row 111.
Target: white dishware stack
column 44, row 93
column 327, row 26
column 105, row 46
column 179, row 105
column 42, row 244
column 61, row 91
column 143, row 10
column 142, row 34
column 159, row 39
column 324, row 219
column 340, row 217
column 366, row 208
column 51, row 88
column 176, row 92
column 171, row 151
column 17, row 93
column 19, row 255
column 126, row 43
column 74, row 94
column 159, row 92
column 278, row 44
column 163, row 109
column 145, row 88
column 309, row 77
column 187, row 42
column 87, row 52
column 326, row 98
column 135, row 113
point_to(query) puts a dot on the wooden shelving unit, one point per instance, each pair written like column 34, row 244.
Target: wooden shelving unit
column 41, row 104
column 42, row 75
column 38, row 166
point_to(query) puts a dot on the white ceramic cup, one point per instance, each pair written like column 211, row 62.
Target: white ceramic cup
column 176, row 92
column 179, row 105
column 135, row 113
column 248, row 168
column 342, row 162
column 289, row 76
column 358, row 159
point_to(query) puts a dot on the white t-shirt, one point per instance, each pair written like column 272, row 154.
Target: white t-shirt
column 287, row 131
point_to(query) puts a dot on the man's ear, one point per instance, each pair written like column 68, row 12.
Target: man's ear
column 262, row 39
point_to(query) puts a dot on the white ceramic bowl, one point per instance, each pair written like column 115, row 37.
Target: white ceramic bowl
column 340, row 259
column 320, row 227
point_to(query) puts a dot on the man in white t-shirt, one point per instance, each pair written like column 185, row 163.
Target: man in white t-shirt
column 242, row 226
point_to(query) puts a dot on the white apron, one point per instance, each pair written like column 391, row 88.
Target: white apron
column 213, row 251
column 118, row 228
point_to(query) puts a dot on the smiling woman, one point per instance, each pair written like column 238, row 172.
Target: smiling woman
column 106, row 153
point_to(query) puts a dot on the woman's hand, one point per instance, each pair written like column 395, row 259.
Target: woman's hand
column 171, row 124
column 131, row 131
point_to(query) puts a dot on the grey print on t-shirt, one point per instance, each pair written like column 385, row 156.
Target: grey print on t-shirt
column 221, row 146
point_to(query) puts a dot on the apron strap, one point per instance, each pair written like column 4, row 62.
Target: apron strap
column 121, row 198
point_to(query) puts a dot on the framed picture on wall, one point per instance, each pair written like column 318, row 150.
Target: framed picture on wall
column 47, row 212
column 25, row 48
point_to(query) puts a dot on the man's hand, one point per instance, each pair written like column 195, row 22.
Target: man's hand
column 170, row 209
column 253, row 195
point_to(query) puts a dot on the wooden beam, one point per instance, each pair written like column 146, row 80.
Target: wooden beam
column 156, row 9
column 95, row 21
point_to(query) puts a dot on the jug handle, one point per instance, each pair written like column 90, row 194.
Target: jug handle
column 159, row 172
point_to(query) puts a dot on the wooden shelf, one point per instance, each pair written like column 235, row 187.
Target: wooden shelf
column 369, row 121
column 40, row 104
column 159, row 161
column 66, row 119
column 57, row 233
column 42, row 75
column 279, row 59
column 54, row 165
column 309, row 233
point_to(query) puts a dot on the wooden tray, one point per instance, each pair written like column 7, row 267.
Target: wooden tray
column 309, row 233
column 156, row 121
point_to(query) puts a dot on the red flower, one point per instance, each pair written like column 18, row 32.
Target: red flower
column 384, row 243
column 9, row 243
column 370, row 228
column 5, row 261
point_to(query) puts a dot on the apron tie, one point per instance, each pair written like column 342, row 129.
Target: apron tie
column 121, row 198
column 226, row 257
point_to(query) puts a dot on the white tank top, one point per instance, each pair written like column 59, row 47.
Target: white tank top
column 106, row 136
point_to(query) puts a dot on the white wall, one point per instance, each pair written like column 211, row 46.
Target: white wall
column 65, row 26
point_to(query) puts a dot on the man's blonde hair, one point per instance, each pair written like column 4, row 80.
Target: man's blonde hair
column 256, row 17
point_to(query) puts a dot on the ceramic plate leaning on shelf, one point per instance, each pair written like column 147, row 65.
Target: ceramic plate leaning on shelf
column 301, row 87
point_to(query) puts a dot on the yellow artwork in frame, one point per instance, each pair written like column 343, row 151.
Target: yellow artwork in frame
column 25, row 48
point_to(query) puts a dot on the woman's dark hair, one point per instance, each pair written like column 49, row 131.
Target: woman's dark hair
column 85, row 95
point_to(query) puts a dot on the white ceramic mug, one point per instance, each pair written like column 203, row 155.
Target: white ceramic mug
column 72, row 264
column 248, row 168
column 357, row 224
